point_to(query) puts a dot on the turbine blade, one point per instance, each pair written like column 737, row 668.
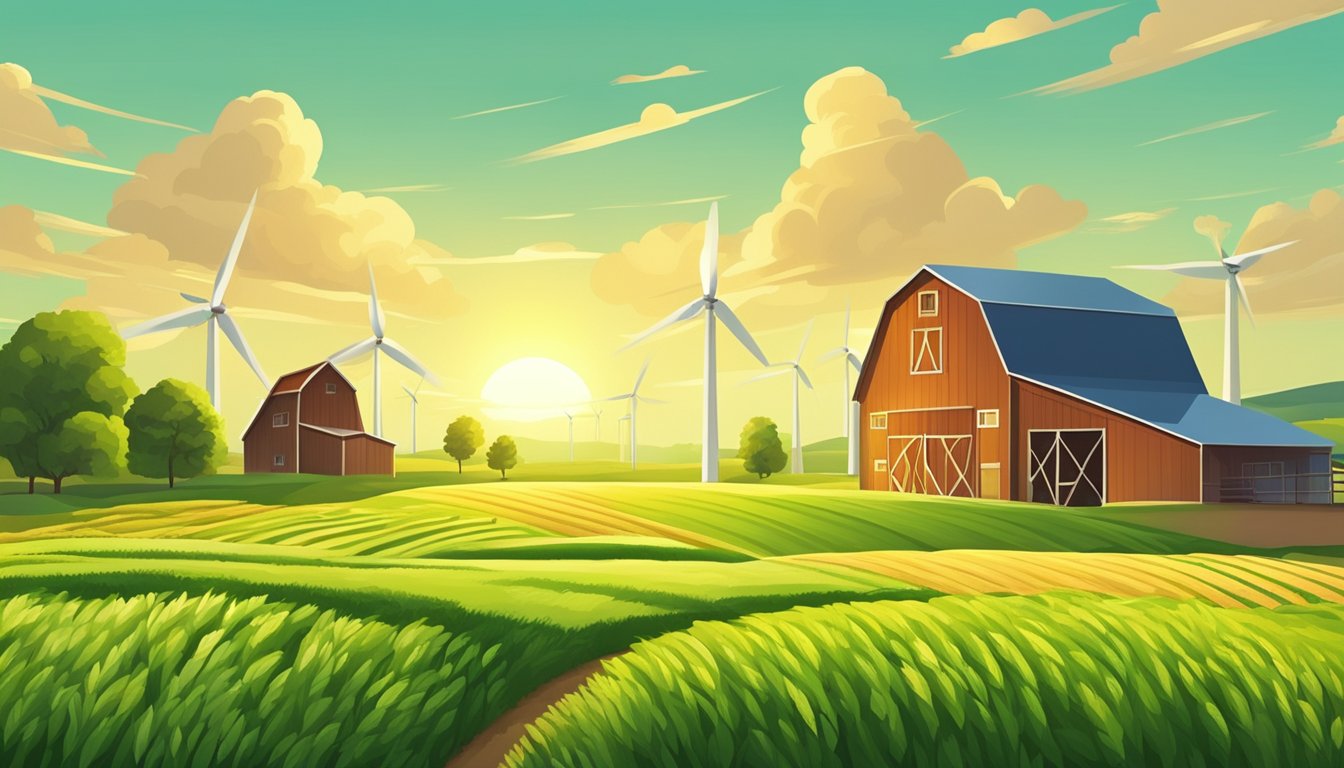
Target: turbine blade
column 1241, row 294
column 1245, row 260
column 614, row 398
column 230, row 261
column 685, row 313
column 709, row 253
column 1213, row 270
column 358, row 349
column 832, row 354
column 375, row 311
column 239, row 343
column 651, row 400
column 640, row 378
column 770, row 374
column 194, row 299
column 399, row 353
column 854, row 361
column 806, row 334
column 848, row 304
column 730, row 321
column 803, row 376
column 182, row 318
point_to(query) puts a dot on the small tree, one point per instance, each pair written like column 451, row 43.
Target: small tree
column 464, row 436
column 174, row 432
column 62, row 393
column 761, row 451
column 502, row 455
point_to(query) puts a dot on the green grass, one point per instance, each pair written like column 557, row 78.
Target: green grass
column 1055, row 681
column 1318, row 401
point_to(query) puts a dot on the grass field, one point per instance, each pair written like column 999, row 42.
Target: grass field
column 1060, row 681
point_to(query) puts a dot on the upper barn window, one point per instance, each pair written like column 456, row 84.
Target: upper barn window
column 280, row 419
column 926, row 350
column 928, row 303
column 331, row 389
column 877, row 421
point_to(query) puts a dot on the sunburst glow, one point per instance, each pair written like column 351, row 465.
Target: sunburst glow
column 533, row 389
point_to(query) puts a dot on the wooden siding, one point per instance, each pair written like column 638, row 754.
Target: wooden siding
column 340, row 409
column 366, row 455
column 264, row 441
column 319, row 452
column 1142, row 463
column 972, row 377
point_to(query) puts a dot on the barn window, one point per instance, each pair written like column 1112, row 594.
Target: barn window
column 987, row 419
column 280, row 419
column 926, row 350
column 879, row 465
column 928, row 303
column 279, row 460
column 877, row 421
column 331, row 389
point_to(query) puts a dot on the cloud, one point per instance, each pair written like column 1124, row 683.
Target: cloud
column 1181, row 31
column 1029, row 23
column 406, row 188
column 1134, row 220
column 1213, row 228
column 27, row 124
column 686, row 201
column 1216, row 125
column 872, row 200
column 540, row 252
column 66, row 224
column 655, row 117
column 1304, row 277
column 70, row 161
column 1231, row 195
column 191, row 200
column 66, row 98
column 680, row 70
column 540, row 217
column 1336, row 137
column 505, row 109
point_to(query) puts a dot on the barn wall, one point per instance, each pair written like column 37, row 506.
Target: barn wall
column 340, row 409
column 1142, row 463
column 319, row 453
column 365, row 455
column 1222, row 462
column 972, row 376
column 264, row 441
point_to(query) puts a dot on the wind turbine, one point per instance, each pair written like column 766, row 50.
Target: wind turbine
column 713, row 308
column 214, row 314
column 1228, row 269
column 799, row 375
column 376, row 343
column 570, row 415
column 850, row 422
column 635, row 399
column 597, row 424
column 415, row 401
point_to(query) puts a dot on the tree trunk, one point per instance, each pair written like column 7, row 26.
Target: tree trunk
column 170, row 473
column 459, row 466
column 31, row 481
column 503, row 476
column 56, row 484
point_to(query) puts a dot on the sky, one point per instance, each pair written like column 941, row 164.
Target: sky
column 844, row 149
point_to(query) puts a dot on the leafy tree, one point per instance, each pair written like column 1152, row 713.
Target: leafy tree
column 62, row 393
column 175, row 432
column 502, row 455
column 761, row 450
column 463, row 438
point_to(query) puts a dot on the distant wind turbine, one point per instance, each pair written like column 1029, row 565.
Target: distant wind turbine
column 713, row 308
column 597, row 424
column 635, row 399
column 213, row 313
column 1228, row 269
column 799, row 375
column 570, row 415
column 850, row 422
column 375, row 343
column 415, row 401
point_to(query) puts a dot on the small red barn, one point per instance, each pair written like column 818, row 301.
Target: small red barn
column 1060, row 389
column 310, row 422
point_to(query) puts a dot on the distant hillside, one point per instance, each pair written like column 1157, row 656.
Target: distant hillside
column 822, row 456
column 1318, row 401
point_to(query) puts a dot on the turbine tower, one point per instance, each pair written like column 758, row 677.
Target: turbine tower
column 1228, row 269
column 635, row 399
column 597, row 424
column 570, row 415
column 414, row 402
column 851, row 421
column 214, row 314
column 714, row 310
column 379, row 343
column 799, row 375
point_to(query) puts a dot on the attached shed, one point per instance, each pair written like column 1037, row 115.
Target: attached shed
column 310, row 422
column 1060, row 389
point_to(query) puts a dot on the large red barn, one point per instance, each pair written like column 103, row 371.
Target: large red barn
column 1060, row 389
column 310, row 422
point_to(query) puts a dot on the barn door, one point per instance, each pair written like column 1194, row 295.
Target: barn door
column 905, row 463
column 1067, row 466
column 939, row 465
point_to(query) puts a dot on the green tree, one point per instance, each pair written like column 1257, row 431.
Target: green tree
column 502, row 455
column 761, row 451
column 174, row 432
column 463, row 438
column 62, row 393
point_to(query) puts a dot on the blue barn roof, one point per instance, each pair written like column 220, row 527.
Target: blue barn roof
column 1091, row 338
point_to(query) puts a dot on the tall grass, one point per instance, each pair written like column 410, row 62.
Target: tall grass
column 156, row 680
column 1059, row 680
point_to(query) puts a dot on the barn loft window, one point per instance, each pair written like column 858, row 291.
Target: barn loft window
column 331, row 389
column 280, row 419
column 987, row 419
column 879, row 465
column 928, row 303
column 926, row 350
column 279, row 460
column 877, row 421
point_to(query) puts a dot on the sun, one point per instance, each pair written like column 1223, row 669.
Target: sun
column 533, row 389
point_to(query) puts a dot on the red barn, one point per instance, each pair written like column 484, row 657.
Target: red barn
column 1060, row 389
column 310, row 422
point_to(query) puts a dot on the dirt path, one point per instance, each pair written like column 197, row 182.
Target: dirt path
column 490, row 746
